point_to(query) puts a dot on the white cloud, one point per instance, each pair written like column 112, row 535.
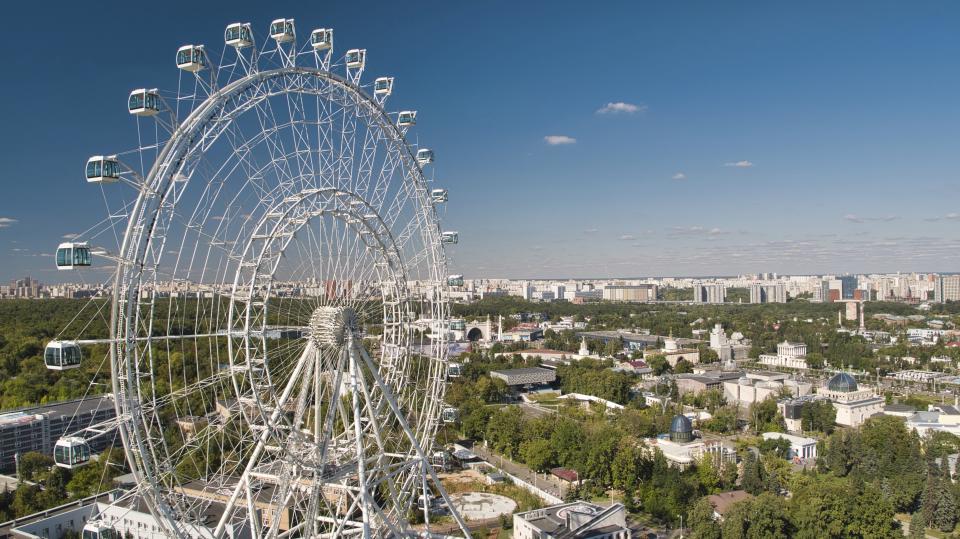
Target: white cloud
column 739, row 164
column 953, row 216
column 714, row 231
column 679, row 176
column 619, row 107
column 628, row 237
column 591, row 231
column 556, row 140
column 7, row 221
column 859, row 219
column 71, row 236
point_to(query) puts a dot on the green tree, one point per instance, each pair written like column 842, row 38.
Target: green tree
column 659, row 364
column 701, row 522
column 764, row 416
column 537, row 454
column 505, row 431
column 778, row 447
column 625, row 467
column 683, row 367
column 33, row 466
column 753, row 474
column 819, row 415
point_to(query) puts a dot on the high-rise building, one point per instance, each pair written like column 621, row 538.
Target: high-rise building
column 768, row 293
column 848, row 284
column 947, row 288
column 709, row 293
column 636, row 293
column 821, row 292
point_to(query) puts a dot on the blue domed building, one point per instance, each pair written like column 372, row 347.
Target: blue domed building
column 682, row 450
column 842, row 382
column 681, row 429
column 854, row 403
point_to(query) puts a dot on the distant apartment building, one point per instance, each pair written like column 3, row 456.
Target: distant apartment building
column 38, row 428
column 821, row 292
column 768, row 293
column 631, row 293
column 947, row 288
column 709, row 293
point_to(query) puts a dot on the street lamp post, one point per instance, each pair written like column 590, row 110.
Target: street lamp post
column 681, row 526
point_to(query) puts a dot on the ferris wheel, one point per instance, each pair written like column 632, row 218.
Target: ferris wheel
column 279, row 314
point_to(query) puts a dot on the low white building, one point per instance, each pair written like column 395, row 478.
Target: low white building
column 940, row 417
column 789, row 354
column 758, row 386
column 673, row 353
column 801, row 448
column 574, row 520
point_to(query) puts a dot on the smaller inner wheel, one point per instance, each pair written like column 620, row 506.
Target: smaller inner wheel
column 329, row 325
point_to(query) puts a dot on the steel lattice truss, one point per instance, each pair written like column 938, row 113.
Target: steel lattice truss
column 280, row 239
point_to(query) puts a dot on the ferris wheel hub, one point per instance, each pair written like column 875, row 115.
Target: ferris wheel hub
column 329, row 325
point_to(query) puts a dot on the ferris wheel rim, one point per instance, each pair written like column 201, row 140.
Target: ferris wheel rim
column 128, row 282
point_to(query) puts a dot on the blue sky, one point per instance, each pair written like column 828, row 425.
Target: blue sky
column 743, row 136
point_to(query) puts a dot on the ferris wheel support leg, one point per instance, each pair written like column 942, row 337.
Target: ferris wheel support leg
column 358, row 434
column 424, row 462
column 262, row 440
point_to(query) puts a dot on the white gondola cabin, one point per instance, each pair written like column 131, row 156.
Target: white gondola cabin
column 283, row 30
column 425, row 157
column 454, row 370
column 71, row 452
column 72, row 255
column 143, row 102
column 62, row 355
column 191, row 58
column 449, row 415
column 103, row 169
column 407, row 118
column 383, row 86
column 439, row 195
column 99, row 530
column 356, row 58
column 238, row 35
column 458, row 324
column 322, row 39
column 450, row 237
column 455, row 280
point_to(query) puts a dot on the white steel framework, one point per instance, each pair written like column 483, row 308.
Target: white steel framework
column 281, row 238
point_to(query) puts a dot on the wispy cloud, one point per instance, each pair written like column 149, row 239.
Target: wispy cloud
column 952, row 216
column 71, row 236
column 852, row 218
column 739, row 164
column 697, row 230
column 679, row 176
column 591, row 231
column 7, row 221
column 557, row 140
column 627, row 237
column 619, row 107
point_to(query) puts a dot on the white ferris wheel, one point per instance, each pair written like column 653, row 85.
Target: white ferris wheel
column 278, row 324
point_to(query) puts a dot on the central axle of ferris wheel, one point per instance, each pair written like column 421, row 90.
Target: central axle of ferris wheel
column 329, row 325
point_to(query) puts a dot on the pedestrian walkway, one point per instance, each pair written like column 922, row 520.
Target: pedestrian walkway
column 547, row 482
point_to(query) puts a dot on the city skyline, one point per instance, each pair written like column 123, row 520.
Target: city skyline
column 666, row 140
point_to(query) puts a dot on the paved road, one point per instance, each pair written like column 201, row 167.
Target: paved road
column 548, row 483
